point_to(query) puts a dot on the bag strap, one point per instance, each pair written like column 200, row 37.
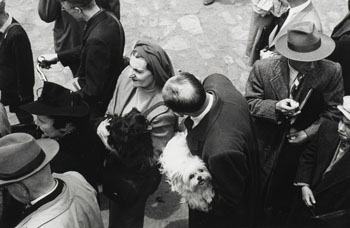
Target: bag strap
column 155, row 110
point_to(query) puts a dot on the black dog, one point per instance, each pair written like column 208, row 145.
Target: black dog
column 129, row 169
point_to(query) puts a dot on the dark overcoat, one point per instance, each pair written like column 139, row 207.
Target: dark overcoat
column 331, row 189
column 226, row 142
column 101, row 60
column 16, row 68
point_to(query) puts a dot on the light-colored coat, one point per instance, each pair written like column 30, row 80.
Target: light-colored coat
column 307, row 14
column 162, row 118
column 75, row 207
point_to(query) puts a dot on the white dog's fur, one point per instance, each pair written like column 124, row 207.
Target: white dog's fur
column 187, row 174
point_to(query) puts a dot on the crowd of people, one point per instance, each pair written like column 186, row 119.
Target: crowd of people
column 277, row 155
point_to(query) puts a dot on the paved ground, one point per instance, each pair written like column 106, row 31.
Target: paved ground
column 199, row 39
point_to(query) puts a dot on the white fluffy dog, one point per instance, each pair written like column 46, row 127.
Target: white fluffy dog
column 187, row 174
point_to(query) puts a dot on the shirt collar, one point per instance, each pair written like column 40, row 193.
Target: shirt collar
column 6, row 24
column 198, row 119
column 299, row 8
column 46, row 194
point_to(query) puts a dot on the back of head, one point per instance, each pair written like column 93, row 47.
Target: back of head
column 184, row 93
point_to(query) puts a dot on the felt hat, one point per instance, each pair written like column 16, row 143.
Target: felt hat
column 304, row 43
column 345, row 108
column 22, row 156
column 56, row 100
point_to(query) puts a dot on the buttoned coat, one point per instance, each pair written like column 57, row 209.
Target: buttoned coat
column 75, row 207
column 307, row 14
column 331, row 189
column 226, row 142
column 268, row 83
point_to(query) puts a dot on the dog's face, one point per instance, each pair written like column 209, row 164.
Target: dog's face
column 191, row 177
column 130, row 134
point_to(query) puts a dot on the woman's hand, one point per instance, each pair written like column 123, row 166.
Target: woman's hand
column 308, row 196
column 103, row 133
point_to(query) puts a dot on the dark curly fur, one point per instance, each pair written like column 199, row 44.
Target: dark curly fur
column 130, row 137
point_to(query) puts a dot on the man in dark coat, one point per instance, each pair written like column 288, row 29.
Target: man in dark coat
column 341, row 37
column 101, row 55
column 16, row 66
column 67, row 31
column 222, row 135
column 289, row 96
column 324, row 175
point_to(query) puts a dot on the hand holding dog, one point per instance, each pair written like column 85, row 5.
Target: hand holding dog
column 103, row 133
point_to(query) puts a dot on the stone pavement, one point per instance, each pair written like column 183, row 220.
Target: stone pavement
column 199, row 39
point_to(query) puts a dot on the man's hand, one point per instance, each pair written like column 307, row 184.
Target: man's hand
column 264, row 54
column 103, row 133
column 288, row 107
column 47, row 60
column 308, row 196
column 297, row 137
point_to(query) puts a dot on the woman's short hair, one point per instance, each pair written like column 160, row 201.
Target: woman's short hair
column 184, row 93
column 77, row 122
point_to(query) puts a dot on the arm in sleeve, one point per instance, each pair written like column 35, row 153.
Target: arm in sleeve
column 332, row 95
column 163, row 128
column 254, row 93
column 229, row 172
column 23, row 58
column 97, row 60
column 69, row 56
column 49, row 10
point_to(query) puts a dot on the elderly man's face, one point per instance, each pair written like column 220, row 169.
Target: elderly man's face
column 344, row 129
column 303, row 67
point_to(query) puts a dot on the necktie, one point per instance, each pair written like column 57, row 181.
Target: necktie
column 295, row 86
column 189, row 123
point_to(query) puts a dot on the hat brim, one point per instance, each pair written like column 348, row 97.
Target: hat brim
column 345, row 113
column 40, row 108
column 326, row 48
column 50, row 148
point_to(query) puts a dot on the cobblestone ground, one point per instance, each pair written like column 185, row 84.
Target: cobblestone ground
column 199, row 39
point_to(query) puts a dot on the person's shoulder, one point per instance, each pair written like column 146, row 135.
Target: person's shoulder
column 326, row 65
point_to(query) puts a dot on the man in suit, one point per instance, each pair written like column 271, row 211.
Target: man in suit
column 68, row 32
column 300, row 11
column 289, row 96
column 222, row 135
column 16, row 66
column 323, row 173
column 101, row 55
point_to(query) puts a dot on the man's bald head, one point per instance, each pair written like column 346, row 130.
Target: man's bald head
column 184, row 93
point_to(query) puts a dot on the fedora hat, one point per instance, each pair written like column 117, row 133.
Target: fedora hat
column 22, row 156
column 303, row 43
column 56, row 100
column 345, row 108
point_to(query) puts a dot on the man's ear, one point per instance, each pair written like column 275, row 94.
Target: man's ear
column 77, row 9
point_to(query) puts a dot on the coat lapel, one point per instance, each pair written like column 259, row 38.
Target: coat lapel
column 280, row 82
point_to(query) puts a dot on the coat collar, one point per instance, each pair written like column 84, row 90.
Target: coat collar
column 198, row 134
column 280, row 81
column 93, row 22
column 342, row 28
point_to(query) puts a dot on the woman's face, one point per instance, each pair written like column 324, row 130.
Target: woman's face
column 141, row 76
column 46, row 125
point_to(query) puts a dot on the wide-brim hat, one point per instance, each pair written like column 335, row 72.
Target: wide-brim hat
column 304, row 43
column 56, row 100
column 21, row 156
column 345, row 108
